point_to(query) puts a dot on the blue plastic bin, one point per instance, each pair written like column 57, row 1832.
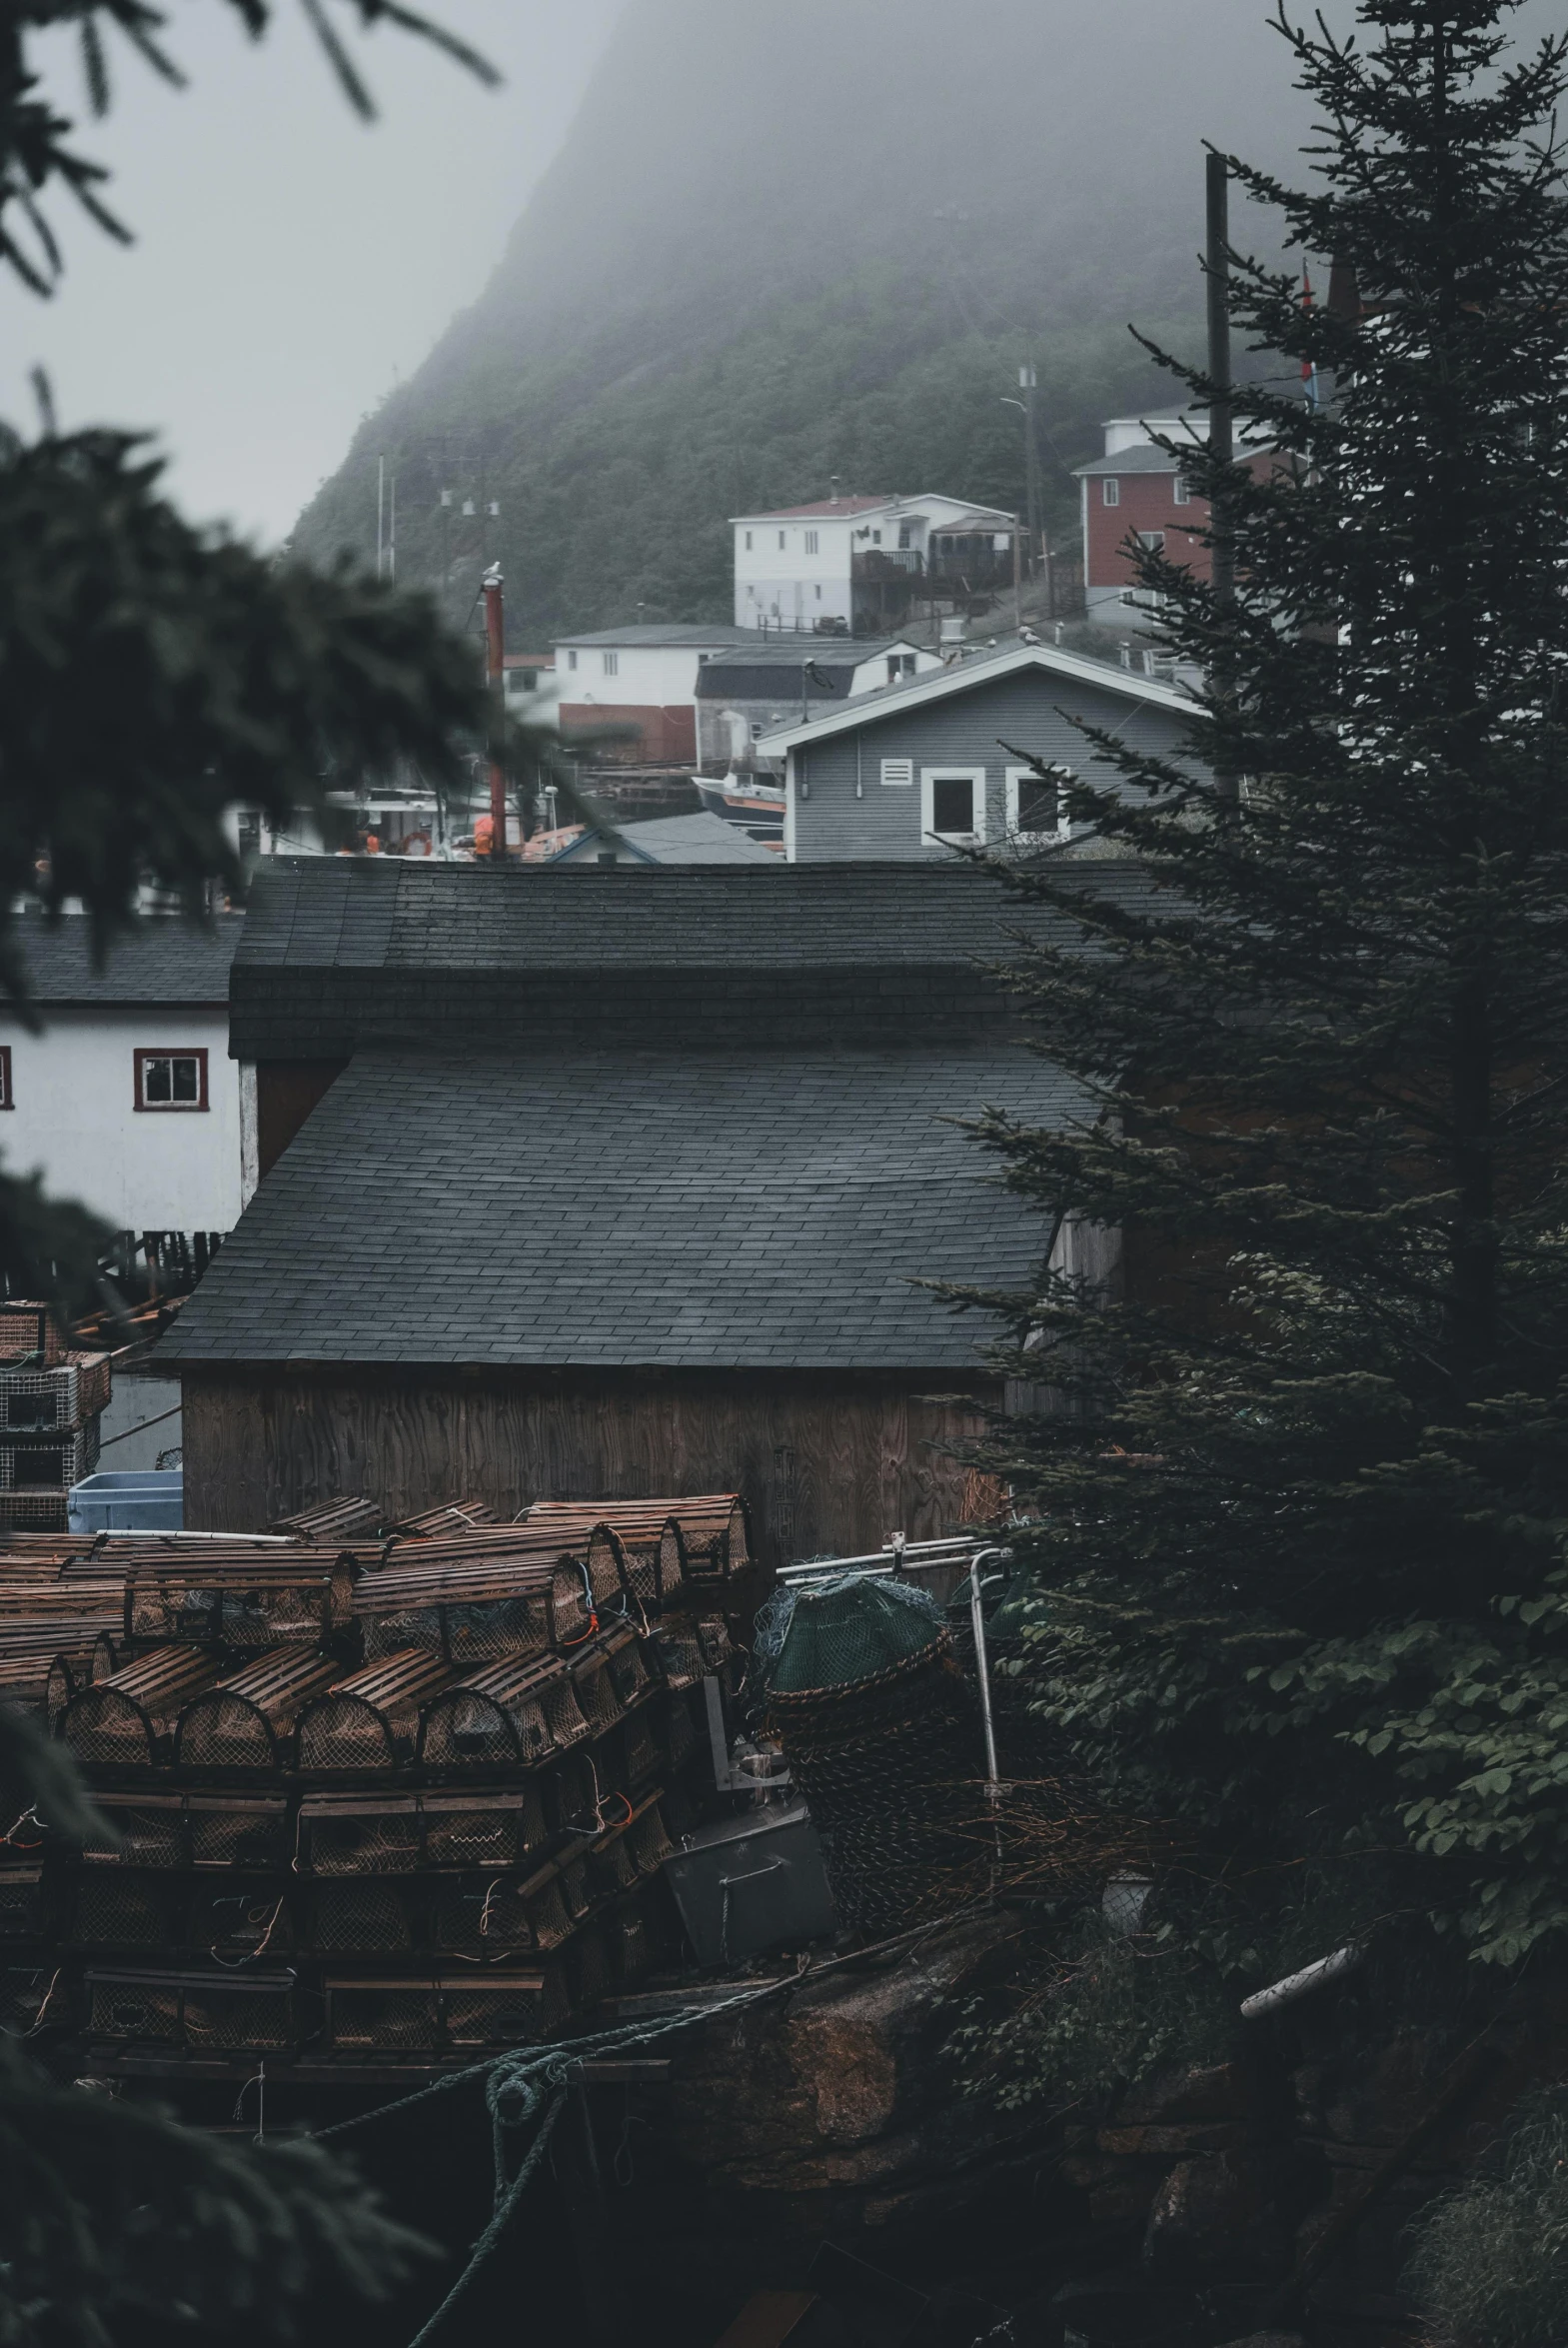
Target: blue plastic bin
column 138, row 1500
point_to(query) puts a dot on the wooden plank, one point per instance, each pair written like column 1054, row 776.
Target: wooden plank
column 866, row 1455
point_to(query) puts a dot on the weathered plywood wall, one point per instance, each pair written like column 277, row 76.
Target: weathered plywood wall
column 830, row 1463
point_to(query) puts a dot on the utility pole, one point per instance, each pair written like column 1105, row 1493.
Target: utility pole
column 1017, row 574
column 381, row 508
column 1028, row 381
column 1222, row 553
column 495, row 677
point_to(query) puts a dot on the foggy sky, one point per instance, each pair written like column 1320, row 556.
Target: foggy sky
column 289, row 263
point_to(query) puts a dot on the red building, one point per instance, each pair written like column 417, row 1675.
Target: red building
column 1137, row 490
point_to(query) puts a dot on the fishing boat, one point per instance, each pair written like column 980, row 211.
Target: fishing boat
column 758, row 806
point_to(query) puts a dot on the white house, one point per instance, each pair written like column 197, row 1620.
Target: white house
column 642, row 676
column 126, row 1097
column 855, row 565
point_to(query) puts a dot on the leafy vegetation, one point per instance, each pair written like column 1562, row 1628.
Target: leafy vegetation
column 1490, row 2264
column 1299, row 1513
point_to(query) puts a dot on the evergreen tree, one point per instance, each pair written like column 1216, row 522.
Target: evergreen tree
column 151, row 676
column 1299, row 1596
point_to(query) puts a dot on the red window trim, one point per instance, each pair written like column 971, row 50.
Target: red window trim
column 146, row 1052
column 7, row 1096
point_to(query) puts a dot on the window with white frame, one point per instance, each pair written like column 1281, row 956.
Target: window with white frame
column 1035, row 809
column 571, row 660
column 952, row 805
column 612, row 664
column 898, row 774
column 899, row 664
column 812, row 542
column 1153, row 540
column 1181, row 491
column 780, row 542
column 749, row 542
column 1110, row 490
column 167, row 1078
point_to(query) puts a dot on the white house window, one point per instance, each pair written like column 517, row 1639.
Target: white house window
column 780, row 542
column 818, row 591
column 612, row 664
column 877, row 538
column 757, row 730
column 749, row 542
column 1110, row 490
column 1034, row 803
column 167, row 1078
column 905, row 538
column 900, row 772
column 1181, row 491
column 813, row 540
column 1154, row 540
column 571, row 660
column 899, row 664
column 952, row 805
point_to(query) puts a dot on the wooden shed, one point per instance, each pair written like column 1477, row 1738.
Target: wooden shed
column 614, row 1182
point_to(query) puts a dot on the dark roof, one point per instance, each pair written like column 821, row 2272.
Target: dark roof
column 161, row 958
column 702, row 839
column 789, row 652
column 604, row 1210
column 859, row 503
column 671, row 633
column 1143, row 457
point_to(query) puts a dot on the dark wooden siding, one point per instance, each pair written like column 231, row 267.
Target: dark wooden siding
column 829, row 1462
column 286, row 1092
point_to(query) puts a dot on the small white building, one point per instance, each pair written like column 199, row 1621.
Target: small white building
column 857, row 565
column 126, row 1099
column 642, row 677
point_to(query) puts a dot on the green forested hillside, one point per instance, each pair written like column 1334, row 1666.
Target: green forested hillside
column 785, row 244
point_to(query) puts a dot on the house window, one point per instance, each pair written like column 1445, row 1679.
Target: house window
column 757, row 730
column 1035, row 808
column 167, row 1078
column 749, row 542
column 571, row 660
column 877, row 538
column 1181, row 491
column 612, row 664
column 1153, row 540
column 900, row 772
column 813, row 540
column 952, row 805
column 818, row 591
column 7, row 1096
column 899, row 664
column 780, row 542
column 1110, row 490
column 905, row 538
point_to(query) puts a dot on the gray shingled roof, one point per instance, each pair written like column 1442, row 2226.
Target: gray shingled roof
column 670, row 633
column 162, row 959
column 702, row 839
column 602, row 1209
column 344, row 953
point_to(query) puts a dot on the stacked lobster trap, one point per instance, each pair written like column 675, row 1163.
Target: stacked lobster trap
column 372, row 1794
column 52, row 1401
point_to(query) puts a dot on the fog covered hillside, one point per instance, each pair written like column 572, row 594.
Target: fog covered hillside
column 785, row 242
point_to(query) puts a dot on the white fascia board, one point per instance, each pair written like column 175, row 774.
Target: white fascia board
column 963, row 676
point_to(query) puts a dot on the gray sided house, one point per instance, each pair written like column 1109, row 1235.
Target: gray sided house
column 939, row 760
column 614, row 1182
column 750, row 689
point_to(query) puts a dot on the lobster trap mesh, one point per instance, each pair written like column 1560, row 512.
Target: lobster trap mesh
column 239, row 1922
column 501, row 2012
column 131, row 2009
column 21, row 1902
column 547, row 1921
column 244, row 1835
column 224, row 1731
column 109, row 1730
column 482, row 1917
column 144, row 1837
column 382, row 1842
column 386, row 2015
column 346, row 1732
column 360, row 1918
column 483, row 1836
column 124, row 1911
column 226, row 2017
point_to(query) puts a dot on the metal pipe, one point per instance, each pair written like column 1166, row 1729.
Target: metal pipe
column 1294, row 1985
column 982, row 1671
